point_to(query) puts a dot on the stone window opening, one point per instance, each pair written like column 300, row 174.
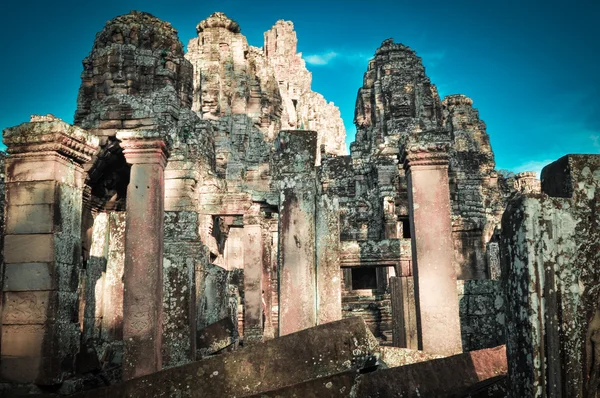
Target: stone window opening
column 364, row 278
column 405, row 228
column 108, row 178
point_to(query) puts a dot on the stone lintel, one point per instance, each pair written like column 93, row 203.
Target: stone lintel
column 143, row 147
column 387, row 252
column 43, row 166
column 50, row 134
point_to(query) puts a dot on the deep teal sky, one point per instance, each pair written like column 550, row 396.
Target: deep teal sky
column 531, row 67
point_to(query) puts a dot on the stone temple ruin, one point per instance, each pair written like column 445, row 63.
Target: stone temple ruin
column 200, row 231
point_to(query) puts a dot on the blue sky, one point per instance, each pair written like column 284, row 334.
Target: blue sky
column 531, row 67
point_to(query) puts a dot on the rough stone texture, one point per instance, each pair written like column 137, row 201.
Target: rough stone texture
column 183, row 254
column 295, row 178
column 482, row 314
column 217, row 296
column 270, row 85
column 101, row 291
column 438, row 327
column 40, row 334
column 253, row 280
column 396, row 105
column 476, row 198
column 144, row 242
column 215, row 337
column 308, row 354
column 395, row 356
column 219, row 110
column 550, row 273
column 455, row 376
column 134, row 77
column 404, row 316
column 328, row 276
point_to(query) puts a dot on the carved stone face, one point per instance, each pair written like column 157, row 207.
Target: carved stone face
column 210, row 102
column 402, row 104
column 136, row 55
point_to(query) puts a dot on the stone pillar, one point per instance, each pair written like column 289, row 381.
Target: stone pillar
column 42, row 249
column 253, row 275
column 183, row 254
column 438, row 321
column 267, row 288
column 404, row 323
column 145, row 150
column 295, row 162
column 329, row 287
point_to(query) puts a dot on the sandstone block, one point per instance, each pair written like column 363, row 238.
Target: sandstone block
column 453, row 376
column 30, row 219
column 323, row 350
column 215, row 337
column 30, row 192
column 29, row 248
column 28, row 276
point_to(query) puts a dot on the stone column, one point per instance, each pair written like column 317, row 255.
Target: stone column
column 329, row 287
column 296, row 154
column 438, row 321
column 404, row 324
column 253, row 275
column 146, row 151
column 42, row 249
column 183, row 254
column 267, row 288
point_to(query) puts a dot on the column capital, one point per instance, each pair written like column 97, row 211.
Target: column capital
column 45, row 135
column 429, row 154
column 143, row 147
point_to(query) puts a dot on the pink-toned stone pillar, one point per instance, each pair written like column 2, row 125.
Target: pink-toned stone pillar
column 329, row 285
column 253, row 275
column 438, row 322
column 143, row 277
column 295, row 172
column 39, row 327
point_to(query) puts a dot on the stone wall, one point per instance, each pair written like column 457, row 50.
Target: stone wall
column 550, row 257
column 271, row 86
column 482, row 318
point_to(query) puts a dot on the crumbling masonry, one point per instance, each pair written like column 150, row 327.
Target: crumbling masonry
column 203, row 202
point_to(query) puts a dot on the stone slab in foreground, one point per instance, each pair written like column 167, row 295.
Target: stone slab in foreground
column 455, row 376
column 311, row 353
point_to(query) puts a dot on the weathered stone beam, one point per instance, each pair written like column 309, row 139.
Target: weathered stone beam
column 317, row 352
column 454, row 376
column 215, row 337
